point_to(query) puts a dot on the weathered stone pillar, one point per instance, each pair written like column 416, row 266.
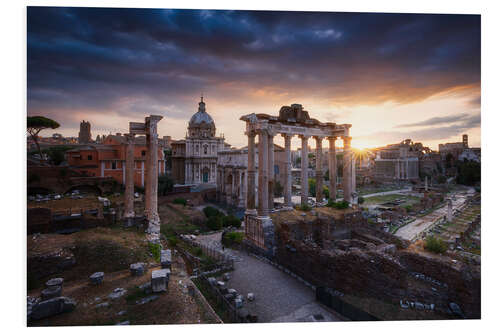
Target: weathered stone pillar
column 270, row 151
column 347, row 170
column 288, row 170
column 319, row 172
column 449, row 215
column 332, row 168
column 223, row 184
column 129, row 178
column 426, row 184
column 233, row 186
column 304, row 163
column 251, row 174
column 152, row 178
column 263, row 207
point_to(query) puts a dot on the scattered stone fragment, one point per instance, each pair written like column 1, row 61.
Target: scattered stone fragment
column 97, row 278
column 159, row 280
column 419, row 306
column 229, row 297
column 97, row 299
column 226, row 276
column 238, row 303
column 121, row 313
column 220, row 284
column 147, row 299
column 51, row 292
column 137, row 269
column 212, row 281
column 52, row 307
column 102, row 305
column 232, row 291
column 126, row 322
column 54, row 282
column 250, row 297
column 455, row 309
column 117, row 293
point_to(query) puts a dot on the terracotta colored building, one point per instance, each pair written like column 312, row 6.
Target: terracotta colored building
column 108, row 159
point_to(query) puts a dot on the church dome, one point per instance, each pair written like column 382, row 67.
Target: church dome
column 201, row 123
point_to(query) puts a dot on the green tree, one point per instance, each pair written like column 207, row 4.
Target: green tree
column 312, row 187
column 165, row 185
column 278, row 189
column 38, row 123
column 469, row 173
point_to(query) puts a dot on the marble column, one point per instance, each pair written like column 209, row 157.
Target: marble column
column 319, row 172
column 270, row 168
column 251, row 174
column 223, row 184
column 288, row 170
column 449, row 215
column 152, row 178
column 240, row 189
column 233, row 186
column 263, row 207
column 347, row 170
column 304, row 163
column 353, row 172
column 396, row 172
column 129, row 178
column 332, row 168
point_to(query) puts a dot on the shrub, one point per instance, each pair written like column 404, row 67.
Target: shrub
column 232, row 238
column 211, row 211
column 214, row 222
column 436, row 245
column 155, row 250
column 361, row 200
column 231, row 221
column 197, row 251
column 180, row 201
column 338, row 205
column 305, row 207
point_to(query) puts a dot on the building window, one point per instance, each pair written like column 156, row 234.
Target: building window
column 113, row 165
column 89, row 157
column 205, row 150
column 276, row 170
column 143, row 153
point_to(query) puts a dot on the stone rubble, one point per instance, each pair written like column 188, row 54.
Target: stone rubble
column 96, row 278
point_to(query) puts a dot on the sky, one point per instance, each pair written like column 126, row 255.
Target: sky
column 392, row 76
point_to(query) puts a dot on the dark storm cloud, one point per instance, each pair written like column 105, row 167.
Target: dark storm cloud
column 93, row 58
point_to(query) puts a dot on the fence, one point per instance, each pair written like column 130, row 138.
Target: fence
column 328, row 297
column 215, row 254
column 223, row 306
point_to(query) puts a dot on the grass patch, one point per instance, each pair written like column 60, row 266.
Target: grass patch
column 233, row 238
column 303, row 207
column 180, row 201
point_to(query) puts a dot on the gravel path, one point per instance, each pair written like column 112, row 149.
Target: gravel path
column 278, row 296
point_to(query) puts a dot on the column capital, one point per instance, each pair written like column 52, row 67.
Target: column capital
column 332, row 138
column 251, row 133
column 318, row 138
column 304, row 136
column 287, row 135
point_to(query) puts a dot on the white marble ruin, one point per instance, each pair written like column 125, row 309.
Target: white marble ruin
column 292, row 120
column 148, row 128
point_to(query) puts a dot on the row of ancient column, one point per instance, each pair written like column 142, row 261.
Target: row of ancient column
column 235, row 195
column 266, row 170
column 402, row 168
column 151, row 173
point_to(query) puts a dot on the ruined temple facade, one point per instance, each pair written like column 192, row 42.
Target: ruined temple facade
column 194, row 160
column 292, row 120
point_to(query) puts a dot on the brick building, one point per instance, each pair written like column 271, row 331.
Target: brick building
column 108, row 159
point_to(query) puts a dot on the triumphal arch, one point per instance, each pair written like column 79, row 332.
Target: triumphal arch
column 292, row 120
